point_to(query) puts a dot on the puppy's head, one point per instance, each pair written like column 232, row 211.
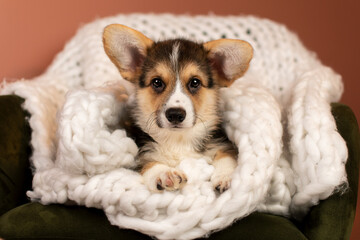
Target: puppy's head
column 176, row 81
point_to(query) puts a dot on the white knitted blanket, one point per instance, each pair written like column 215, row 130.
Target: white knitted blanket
column 278, row 115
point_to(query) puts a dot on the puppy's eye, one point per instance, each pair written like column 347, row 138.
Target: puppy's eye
column 194, row 84
column 158, row 85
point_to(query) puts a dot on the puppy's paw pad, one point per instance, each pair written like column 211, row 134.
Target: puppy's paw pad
column 221, row 183
column 171, row 180
column 159, row 185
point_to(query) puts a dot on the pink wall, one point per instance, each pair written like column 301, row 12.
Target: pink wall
column 33, row 31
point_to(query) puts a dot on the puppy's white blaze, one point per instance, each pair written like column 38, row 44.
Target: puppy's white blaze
column 174, row 57
column 179, row 99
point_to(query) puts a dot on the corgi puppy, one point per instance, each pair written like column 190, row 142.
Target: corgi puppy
column 177, row 86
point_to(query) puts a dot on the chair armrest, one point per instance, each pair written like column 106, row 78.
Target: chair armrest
column 333, row 218
column 15, row 173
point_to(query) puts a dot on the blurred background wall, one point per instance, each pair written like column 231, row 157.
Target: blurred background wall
column 33, row 31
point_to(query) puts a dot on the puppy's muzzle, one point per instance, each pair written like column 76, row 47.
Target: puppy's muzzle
column 175, row 115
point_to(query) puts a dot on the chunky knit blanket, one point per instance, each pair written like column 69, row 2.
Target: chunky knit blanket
column 278, row 115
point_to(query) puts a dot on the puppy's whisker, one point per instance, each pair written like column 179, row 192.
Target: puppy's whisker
column 149, row 123
column 202, row 121
column 149, row 119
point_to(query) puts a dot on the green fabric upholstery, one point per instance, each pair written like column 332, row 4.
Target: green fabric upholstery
column 261, row 226
column 75, row 222
column 61, row 222
column 15, row 174
column 331, row 219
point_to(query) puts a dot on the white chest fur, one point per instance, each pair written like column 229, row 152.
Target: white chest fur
column 171, row 147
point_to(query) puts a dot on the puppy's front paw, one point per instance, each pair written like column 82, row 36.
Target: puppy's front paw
column 171, row 180
column 221, row 182
column 160, row 177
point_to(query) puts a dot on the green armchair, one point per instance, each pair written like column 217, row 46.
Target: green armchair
column 20, row 219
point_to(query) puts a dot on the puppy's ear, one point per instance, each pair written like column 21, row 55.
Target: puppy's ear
column 126, row 48
column 229, row 58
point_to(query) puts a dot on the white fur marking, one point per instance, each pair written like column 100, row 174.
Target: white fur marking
column 174, row 57
column 179, row 99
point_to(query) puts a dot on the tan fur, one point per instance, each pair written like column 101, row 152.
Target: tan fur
column 149, row 102
column 205, row 100
column 111, row 36
column 189, row 71
column 239, row 51
column 147, row 166
column 221, row 154
column 163, row 71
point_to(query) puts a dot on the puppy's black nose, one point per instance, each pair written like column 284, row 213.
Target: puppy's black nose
column 175, row 115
